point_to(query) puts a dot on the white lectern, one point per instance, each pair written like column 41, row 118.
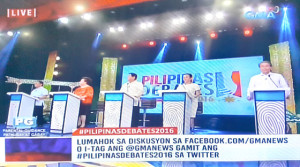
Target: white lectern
column 176, row 107
column 21, row 105
column 64, row 112
column 270, row 112
column 118, row 109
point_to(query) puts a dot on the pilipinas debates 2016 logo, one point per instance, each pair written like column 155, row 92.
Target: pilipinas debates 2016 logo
column 212, row 84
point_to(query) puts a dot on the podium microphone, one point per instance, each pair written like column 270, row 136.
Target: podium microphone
column 272, row 80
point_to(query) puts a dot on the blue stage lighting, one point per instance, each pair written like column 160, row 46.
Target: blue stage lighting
column 6, row 52
column 161, row 55
column 97, row 41
column 199, row 50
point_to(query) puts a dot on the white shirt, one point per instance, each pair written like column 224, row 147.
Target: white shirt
column 135, row 89
column 271, row 81
column 39, row 92
column 191, row 91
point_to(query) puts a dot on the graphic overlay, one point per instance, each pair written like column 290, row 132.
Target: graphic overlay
column 41, row 149
column 223, row 82
column 2, row 150
column 185, row 148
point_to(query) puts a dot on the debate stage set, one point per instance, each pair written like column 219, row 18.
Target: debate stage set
column 221, row 43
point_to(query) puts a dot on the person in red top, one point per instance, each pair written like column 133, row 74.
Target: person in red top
column 86, row 94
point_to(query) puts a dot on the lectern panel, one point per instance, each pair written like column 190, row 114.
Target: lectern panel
column 173, row 115
column 127, row 111
column 112, row 114
column 13, row 111
column 58, row 110
column 270, row 117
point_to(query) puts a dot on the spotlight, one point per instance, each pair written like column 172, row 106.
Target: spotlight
column 10, row 33
column 87, row 16
column 213, row 35
column 227, row 2
column 63, row 20
column 57, row 58
column 146, row 25
column 262, row 8
column 220, row 15
column 183, row 39
column 247, row 9
column 120, row 29
column 55, row 72
column 79, row 8
column 143, row 25
column 112, row 29
column 26, row 34
column 99, row 34
column 285, row 9
column 56, row 65
column 180, row 20
column 165, row 44
column 209, row 16
column 124, row 46
column 248, row 32
column 152, row 43
column 198, row 42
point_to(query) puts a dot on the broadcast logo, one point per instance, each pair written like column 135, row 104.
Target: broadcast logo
column 24, row 122
column 21, row 13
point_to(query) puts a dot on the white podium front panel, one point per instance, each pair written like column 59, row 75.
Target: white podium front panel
column 127, row 107
column 27, row 106
column 112, row 110
column 176, row 111
column 270, row 112
column 71, row 115
column 14, row 105
column 58, row 111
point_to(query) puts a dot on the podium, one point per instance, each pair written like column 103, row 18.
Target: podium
column 270, row 112
column 176, row 108
column 21, row 105
column 64, row 112
column 118, row 108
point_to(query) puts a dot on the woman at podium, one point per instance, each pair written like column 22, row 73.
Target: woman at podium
column 193, row 91
column 86, row 94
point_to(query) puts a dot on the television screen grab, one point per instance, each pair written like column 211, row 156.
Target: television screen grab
column 152, row 83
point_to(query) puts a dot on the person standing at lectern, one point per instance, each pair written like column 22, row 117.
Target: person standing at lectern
column 86, row 94
column 267, row 80
column 193, row 91
column 135, row 89
column 41, row 93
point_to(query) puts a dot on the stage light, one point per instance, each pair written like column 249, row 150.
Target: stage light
column 56, row 65
column 198, row 54
column 247, row 9
column 227, row 2
column 63, row 20
column 112, row 29
column 79, row 8
column 180, row 20
column 161, row 55
column 96, row 42
column 55, row 73
column 10, row 33
column 248, row 32
column 208, row 16
column 146, row 25
column 26, row 34
column 120, row 29
column 213, row 35
column 183, row 39
column 285, row 9
column 262, row 8
column 124, row 46
column 5, row 53
column 152, row 43
column 87, row 16
column 220, row 15
column 57, row 58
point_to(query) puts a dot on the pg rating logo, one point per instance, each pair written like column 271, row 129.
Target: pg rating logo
column 24, row 122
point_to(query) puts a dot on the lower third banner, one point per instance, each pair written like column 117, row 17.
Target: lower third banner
column 185, row 148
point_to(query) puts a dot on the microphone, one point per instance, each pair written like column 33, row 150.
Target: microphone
column 272, row 80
